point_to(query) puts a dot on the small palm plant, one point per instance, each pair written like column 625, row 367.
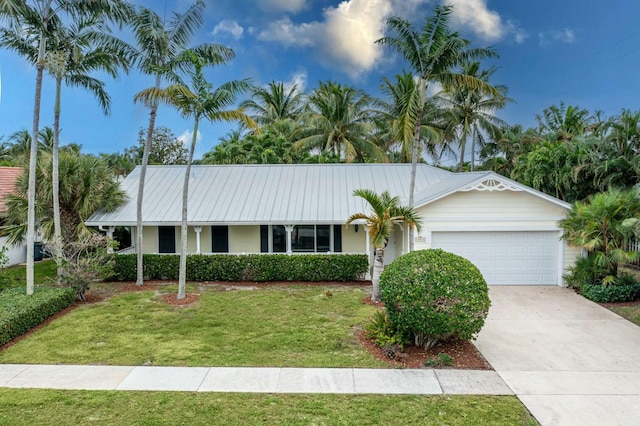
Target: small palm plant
column 386, row 213
column 604, row 224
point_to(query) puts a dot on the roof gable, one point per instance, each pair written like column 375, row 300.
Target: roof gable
column 485, row 181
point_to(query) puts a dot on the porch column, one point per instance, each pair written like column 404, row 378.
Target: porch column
column 289, row 229
column 198, row 230
column 367, row 251
column 110, row 235
column 404, row 244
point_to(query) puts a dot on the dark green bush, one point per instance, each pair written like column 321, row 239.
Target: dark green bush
column 626, row 289
column 20, row 312
column 252, row 267
column 435, row 295
column 584, row 271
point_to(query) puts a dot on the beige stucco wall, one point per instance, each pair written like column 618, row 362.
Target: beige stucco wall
column 244, row 239
column 352, row 241
column 149, row 239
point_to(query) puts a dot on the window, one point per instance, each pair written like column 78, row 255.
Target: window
column 166, row 239
column 304, row 239
column 323, row 238
column 279, row 239
column 220, row 239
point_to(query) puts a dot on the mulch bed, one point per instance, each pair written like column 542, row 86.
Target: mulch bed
column 463, row 352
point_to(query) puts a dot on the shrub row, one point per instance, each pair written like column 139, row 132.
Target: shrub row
column 251, row 267
column 624, row 292
column 20, row 312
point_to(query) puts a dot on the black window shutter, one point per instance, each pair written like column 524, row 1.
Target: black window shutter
column 337, row 238
column 220, row 239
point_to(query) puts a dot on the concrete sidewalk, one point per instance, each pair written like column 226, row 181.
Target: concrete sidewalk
column 569, row 360
column 258, row 380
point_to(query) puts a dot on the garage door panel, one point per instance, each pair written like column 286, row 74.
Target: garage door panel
column 506, row 258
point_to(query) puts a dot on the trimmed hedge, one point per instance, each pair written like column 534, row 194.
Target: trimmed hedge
column 250, row 267
column 611, row 293
column 20, row 312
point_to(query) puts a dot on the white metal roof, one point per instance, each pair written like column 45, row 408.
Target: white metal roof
column 264, row 194
column 280, row 194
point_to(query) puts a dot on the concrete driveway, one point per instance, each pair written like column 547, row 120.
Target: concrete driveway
column 570, row 361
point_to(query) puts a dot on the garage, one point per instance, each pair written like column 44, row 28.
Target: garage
column 506, row 257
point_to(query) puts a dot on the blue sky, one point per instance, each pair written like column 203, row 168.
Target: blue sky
column 582, row 52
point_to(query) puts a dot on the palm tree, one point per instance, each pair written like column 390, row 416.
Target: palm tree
column 604, row 224
column 161, row 52
column 386, row 213
column 338, row 121
column 87, row 184
column 78, row 50
column 470, row 111
column 563, row 123
column 198, row 102
column 36, row 19
column 397, row 118
column 433, row 52
column 19, row 144
column 274, row 103
column 501, row 155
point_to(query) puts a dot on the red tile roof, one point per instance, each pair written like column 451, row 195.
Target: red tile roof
column 8, row 177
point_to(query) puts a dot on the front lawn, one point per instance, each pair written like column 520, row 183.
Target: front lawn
column 283, row 327
column 57, row 407
column 630, row 312
column 44, row 273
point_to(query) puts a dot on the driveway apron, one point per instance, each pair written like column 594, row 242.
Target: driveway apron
column 569, row 360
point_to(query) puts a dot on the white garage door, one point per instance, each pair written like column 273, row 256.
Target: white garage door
column 506, row 258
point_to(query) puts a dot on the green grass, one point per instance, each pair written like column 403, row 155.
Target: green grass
column 632, row 313
column 57, row 407
column 44, row 273
column 291, row 327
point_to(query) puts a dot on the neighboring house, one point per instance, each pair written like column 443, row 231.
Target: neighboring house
column 508, row 230
column 8, row 176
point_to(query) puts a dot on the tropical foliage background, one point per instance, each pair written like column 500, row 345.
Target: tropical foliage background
column 571, row 154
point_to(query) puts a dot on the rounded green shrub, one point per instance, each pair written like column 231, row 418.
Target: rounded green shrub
column 435, row 295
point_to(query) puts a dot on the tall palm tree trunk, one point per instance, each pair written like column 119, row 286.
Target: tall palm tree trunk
column 182, row 276
column 33, row 157
column 414, row 155
column 378, row 267
column 143, row 175
column 55, row 175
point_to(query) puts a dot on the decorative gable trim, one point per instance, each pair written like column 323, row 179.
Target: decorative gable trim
column 491, row 184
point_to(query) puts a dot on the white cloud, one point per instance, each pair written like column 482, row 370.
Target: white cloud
column 186, row 136
column 299, row 79
column 291, row 6
column 475, row 16
column 564, row 35
column 286, row 32
column 351, row 30
column 229, row 26
column 519, row 34
column 346, row 35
